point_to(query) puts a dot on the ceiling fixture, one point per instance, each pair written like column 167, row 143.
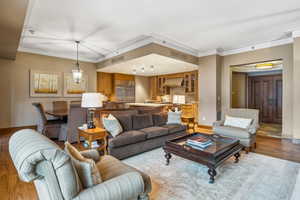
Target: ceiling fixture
column 134, row 71
column 143, row 69
column 77, row 73
column 264, row 66
column 152, row 68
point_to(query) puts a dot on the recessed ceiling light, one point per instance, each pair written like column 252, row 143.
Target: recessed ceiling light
column 152, row 68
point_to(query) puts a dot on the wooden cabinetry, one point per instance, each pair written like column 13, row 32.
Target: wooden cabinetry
column 190, row 83
column 105, row 83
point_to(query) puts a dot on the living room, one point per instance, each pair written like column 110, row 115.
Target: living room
column 129, row 89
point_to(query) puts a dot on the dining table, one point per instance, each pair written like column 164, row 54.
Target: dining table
column 61, row 114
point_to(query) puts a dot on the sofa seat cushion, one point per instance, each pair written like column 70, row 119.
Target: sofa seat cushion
column 111, row 167
column 155, row 131
column 128, row 137
column 141, row 121
column 173, row 128
column 232, row 132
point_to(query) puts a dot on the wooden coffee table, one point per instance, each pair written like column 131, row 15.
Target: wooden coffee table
column 222, row 149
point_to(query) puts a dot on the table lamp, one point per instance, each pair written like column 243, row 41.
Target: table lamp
column 178, row 99
column 91, row 101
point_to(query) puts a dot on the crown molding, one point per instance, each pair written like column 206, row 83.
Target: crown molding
column 148, row 39
column 258, row 46
column 41, row 52
column 296, row 34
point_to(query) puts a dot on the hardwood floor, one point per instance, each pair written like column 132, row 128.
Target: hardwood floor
column 12, row 188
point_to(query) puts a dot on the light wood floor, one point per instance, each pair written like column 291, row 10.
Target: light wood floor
column 11, row 188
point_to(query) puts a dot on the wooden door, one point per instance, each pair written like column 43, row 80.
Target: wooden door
column 265, row 94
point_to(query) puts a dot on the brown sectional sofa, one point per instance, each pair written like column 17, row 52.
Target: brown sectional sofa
column 142, row 132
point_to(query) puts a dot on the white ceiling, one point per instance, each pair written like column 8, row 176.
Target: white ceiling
column 162, row 65
column 105, row 27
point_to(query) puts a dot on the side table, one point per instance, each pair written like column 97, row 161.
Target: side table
column 189, row 120
column 93, row 135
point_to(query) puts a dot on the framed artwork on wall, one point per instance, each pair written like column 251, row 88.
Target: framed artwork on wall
column 72, row 89
column 45, row 84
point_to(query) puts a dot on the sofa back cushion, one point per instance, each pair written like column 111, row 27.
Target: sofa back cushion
column 125, row 121
column 141, row 121
column 159, row 119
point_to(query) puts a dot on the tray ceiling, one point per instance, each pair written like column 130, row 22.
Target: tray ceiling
column 197, row 26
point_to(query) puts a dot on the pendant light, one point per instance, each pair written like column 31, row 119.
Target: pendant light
column 77, row 73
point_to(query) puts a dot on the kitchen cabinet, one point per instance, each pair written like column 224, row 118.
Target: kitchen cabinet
column 105, row 83
column 190, row 82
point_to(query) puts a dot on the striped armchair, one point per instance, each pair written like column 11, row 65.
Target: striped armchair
column 39, row 160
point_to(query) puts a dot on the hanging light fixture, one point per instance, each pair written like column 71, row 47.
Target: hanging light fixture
column 77, row 73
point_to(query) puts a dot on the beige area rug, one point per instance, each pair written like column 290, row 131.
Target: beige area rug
column 255, row 177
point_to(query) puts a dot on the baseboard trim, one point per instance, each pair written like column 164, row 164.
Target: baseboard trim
column 296, row 141
column 13, row 129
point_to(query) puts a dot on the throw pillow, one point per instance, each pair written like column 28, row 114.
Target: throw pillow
column 174, row 117
column 237, row 122
column 112, row 125
column 86, row 168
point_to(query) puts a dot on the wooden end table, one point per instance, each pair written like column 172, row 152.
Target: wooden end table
column 189, row 120
column 93, row 135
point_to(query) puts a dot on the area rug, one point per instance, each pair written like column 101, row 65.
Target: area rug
column 255, row 177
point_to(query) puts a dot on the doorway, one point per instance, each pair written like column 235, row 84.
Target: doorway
column 259, row 86
column 265, row 94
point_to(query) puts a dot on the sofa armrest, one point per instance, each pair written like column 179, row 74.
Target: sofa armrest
column 218, row 123
column 253, row 128
column 126, row 186
column 92, row 154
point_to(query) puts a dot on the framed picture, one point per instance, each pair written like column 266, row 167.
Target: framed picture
column 72, row 89
column 45, row 84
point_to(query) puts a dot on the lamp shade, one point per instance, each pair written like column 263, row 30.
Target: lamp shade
column 91, row 100
column 178, row 99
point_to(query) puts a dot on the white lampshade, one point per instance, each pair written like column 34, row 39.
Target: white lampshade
column 91, row 100
column 178, row 99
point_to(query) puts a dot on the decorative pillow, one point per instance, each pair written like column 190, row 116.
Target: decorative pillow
column 174, row 117
column 237, row 122
column 86, row 168
column 112, row 125
column 141, row 121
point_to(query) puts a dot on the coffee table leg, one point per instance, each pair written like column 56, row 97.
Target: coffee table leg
column 168, row 156
column 237, row 155
column 212, row 173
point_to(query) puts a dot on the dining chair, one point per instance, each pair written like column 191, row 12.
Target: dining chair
column 49, row 128
column 77, row 117
column 60, row 105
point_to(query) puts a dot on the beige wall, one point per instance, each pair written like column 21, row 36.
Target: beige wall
column 239, row 90
column 296, row 89
column 142, row 89
column 284, row 52
column 15, row 103
column 209, row 89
